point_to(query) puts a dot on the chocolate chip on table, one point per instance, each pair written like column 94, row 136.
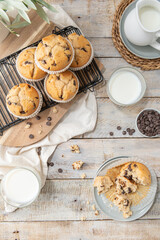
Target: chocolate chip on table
column 128, row 129
column 31, row 136
column 29, row 123
column 48, row 123
column 51, row 164
column 119, row 128
column 111, row 133
column 124, row 132
column 148, row 123
column 60, row 170
column 1, row 133
column 38, row 117
column 39, row 151
column 49, row 118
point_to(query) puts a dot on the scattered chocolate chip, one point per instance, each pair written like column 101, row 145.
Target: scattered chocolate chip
column 58, row 78
column 119, row 128
column 48, row 123
column 111, row 133
column 16, row 232
column 1, row 133
column 123, row 192
column 36, row 97
column 74, row 83
column 48, row 68
column 80, row 209
column 68, row 56
column 9, row 103
column 29, row 86
column 126, row 203
column 45, row 45
column 125, row 173
column 31, row 136
column 135, row 165
column 128, row 177
column 49, row 118
column 79, row 17
column 129, row 190
column 54, row 64
column 124, row 132
column 60, row 170
column 38, row 117
column 128, row 129
column 51, row 164
column 22, row 112
column 75, row 200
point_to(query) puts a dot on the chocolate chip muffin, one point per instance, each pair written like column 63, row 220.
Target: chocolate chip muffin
column 137, row 172
column 61, row 87
column 23, row 101
column 26, row 65
column 83, row 51
column 54, row 54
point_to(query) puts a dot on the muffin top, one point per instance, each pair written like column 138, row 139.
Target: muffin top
column 26, row 65
column 82, row 50
column 137, row 172
column 54, row 53
column 62, row 86
column 22, row 100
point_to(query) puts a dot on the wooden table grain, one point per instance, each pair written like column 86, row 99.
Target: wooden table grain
column 63, row 201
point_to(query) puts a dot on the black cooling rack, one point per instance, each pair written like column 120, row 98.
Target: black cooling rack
column 88, row 78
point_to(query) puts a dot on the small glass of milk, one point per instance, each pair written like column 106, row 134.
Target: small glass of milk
column 126, row 86
column 20, row 187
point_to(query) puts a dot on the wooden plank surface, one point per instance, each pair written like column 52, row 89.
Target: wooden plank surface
column 62, row 200
column 95, row 151
column 97, row 230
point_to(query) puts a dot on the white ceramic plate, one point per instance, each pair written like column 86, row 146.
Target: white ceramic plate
column 138, row 210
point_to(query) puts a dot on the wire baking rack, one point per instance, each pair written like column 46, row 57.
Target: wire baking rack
column 88, row 78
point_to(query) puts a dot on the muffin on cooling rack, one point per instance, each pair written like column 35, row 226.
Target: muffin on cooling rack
column 24, row 101
column 54, row 54
column 61, row 87
column 26, row 66
column 83, row 51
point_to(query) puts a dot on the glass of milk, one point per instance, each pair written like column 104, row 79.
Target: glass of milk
column 126, row 86
column 20, row 187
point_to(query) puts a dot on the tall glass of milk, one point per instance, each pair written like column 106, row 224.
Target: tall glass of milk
column 126, row 86
column 20, row 187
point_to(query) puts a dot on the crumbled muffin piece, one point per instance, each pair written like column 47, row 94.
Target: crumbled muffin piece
column 82, row 50
column 103, row 184
column 55, row 110
column 93, row 207
column 83, row 175
column 54, row 53
column 83, row 218
column 88, row 202
column 40, row 131
column 27, row 67
column 77, row 165
column 75, row 148
column 96, row 212
column 137, row 172
column 123, row 203
column 22, row 100
column 62, row 86
column 124, row 186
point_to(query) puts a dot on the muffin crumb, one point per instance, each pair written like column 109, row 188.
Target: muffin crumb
column 94, row 207
column 83, row 175
column 40, row 131
column 55, row 110
column 77, row 165
column 75, row 148
column 83, row 218
column 96, row 212
column 88, row 202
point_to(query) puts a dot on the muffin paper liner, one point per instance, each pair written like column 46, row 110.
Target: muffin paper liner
column 37, row 110
column 150, row 194
column 158, row 135
column 89, row 61
column 58, row 71
column 27, row 79
column 61, row 101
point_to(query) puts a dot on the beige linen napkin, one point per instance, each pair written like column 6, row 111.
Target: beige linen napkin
column 79, row 119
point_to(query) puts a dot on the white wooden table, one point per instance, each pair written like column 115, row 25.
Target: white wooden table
column 62, row 203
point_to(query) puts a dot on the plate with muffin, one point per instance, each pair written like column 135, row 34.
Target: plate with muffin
column 125, row 188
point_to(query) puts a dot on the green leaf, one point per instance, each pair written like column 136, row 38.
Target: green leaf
column 17, row 4
column 19, row 24
column 30, row 4
column 4, row 15
column 50, row 7
column 42, row 13
column 17, row 19
column 24, row 15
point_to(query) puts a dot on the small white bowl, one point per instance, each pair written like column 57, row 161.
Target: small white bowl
column 145, row 109
column 142, row 81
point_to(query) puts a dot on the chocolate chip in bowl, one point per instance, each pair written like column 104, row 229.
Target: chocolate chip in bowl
column 148, row 122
